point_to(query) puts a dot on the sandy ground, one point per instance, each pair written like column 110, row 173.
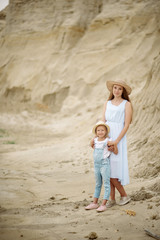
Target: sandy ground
column 47, row 178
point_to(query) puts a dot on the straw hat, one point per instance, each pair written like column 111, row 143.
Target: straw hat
column 118, row 82
column 100, row 123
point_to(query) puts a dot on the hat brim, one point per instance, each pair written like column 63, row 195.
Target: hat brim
column 111, row 83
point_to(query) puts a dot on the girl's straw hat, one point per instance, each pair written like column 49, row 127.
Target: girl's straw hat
column 100, row 123
column 118, row 82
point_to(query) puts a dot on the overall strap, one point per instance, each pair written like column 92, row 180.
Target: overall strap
column 105, row 144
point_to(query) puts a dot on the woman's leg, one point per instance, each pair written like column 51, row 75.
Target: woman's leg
column 119, row 187
column 112, row 194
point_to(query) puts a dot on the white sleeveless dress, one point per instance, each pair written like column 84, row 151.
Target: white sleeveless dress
column 115, row 116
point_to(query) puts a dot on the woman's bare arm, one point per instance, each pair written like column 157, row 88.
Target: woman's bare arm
column 115, row 151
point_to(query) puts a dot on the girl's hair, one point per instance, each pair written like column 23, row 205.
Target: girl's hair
column 124, row 95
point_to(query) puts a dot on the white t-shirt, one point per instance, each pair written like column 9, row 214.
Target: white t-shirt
column 100, row 144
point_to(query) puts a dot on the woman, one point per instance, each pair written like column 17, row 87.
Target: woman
column 118, row 115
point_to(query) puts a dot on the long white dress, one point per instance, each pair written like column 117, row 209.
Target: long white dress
column 115, row 116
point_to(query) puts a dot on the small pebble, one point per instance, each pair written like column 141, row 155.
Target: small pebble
column 93, row 235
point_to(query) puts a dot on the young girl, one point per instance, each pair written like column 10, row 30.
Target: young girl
column 101, row 165
column 118, row 115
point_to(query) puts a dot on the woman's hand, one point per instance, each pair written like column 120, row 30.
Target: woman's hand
column 112, row 143
column 111, row 148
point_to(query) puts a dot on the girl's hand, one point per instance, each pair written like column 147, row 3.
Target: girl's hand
column 92, row 143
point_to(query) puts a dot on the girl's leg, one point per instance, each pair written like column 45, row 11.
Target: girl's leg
column 104, row 201
column 95, row 200
column 105, row 171
column 119, row 187
column 98, row 186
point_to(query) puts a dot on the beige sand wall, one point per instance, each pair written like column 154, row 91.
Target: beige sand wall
column 57, row 55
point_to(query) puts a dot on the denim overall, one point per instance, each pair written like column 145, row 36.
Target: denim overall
column 102, row 172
